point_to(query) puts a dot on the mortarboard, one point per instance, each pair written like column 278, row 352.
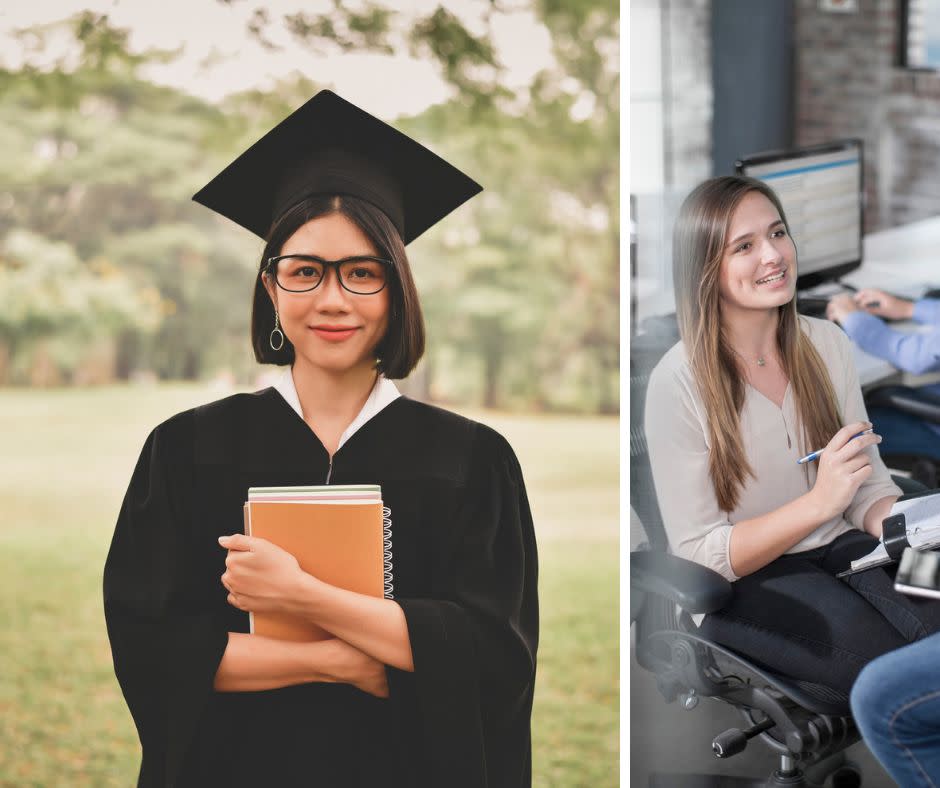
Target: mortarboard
column 330, row 146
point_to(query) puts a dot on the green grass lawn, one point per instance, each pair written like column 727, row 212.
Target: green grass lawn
column 66, row 458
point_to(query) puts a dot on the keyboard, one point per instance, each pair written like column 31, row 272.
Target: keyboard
column 811, row 307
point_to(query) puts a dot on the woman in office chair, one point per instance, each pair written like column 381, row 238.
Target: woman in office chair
column 751, row 388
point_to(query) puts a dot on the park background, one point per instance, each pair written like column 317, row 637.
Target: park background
column 121, row 303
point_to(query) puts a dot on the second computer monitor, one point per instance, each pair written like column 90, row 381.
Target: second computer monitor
column 822, row 195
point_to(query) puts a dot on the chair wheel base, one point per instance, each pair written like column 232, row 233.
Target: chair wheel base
column 704, row 781
column 843, row 777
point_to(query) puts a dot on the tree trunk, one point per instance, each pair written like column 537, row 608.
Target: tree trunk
column 6, row 359
column 492, row 363
column 128, row 354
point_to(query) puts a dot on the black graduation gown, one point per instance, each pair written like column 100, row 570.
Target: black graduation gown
column 464, row 573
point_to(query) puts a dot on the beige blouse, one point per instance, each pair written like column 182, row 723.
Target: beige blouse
column 679, row 444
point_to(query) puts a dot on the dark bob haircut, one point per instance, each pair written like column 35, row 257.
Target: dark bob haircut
column 403, row 344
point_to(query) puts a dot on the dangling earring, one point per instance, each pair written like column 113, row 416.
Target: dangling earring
column 277, row 331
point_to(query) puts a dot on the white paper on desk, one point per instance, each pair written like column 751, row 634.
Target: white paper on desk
column 871, row 369
column 824, row 290
column 908, row 279
column 922, row 519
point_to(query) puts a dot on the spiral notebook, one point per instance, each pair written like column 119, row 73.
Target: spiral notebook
column 339, row 534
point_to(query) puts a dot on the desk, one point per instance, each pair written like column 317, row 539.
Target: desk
column 903, row 260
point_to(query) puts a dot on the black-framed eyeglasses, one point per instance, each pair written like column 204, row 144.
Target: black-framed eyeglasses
column 300, row 273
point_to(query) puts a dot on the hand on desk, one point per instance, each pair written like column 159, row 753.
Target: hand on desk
column 875, row 302
column 840, row 306
column 880, row 303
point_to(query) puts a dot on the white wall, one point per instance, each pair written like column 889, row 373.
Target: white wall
column 670, row 127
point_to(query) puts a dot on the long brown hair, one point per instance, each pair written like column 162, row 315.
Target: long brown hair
column 699, row 240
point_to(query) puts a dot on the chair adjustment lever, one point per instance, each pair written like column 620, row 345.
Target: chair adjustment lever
column 734, row 740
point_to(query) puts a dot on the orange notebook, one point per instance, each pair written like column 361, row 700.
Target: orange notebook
column 341, row 535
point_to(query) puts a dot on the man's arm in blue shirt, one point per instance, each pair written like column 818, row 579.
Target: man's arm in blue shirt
column 914, row 353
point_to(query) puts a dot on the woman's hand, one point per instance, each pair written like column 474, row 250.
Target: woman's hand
column 349, row 665
column 843, row 466
column 260, row 576
column 878, row 302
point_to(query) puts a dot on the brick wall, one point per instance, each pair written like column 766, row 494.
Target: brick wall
column 848, row 85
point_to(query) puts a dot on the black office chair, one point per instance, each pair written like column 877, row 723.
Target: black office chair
column 807, row 725
column 915, row 402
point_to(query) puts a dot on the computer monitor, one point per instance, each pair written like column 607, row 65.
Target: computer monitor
column 821, row 191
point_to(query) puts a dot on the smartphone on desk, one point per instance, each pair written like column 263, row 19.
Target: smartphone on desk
column 918, row 573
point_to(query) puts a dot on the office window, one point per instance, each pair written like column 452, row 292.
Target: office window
column 920, row 34
column 648, row 282
column 670, row 143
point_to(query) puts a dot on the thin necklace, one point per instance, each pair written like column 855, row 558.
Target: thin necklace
column 761, row 361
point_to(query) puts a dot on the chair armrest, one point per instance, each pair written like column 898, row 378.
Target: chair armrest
column 695, row 588
column 906, row 399
column 908, row 486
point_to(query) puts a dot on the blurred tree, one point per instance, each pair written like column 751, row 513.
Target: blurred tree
column 97, row 158
column 53, row 303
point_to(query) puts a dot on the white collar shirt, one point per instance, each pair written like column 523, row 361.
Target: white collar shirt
column 383, row 393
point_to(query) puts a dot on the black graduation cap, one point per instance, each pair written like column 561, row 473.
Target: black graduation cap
column 331, row 146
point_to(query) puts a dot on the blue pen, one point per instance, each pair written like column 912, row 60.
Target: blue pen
column 815, row 455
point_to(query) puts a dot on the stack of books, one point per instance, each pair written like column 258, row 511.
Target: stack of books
column 341, row 535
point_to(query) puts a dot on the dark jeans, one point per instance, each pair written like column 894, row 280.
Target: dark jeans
column 795, row 618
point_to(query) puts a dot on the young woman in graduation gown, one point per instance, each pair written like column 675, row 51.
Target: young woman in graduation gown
column 431, row 688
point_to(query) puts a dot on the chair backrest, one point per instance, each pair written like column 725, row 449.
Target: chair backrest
column 650, row 613
column 646, row 350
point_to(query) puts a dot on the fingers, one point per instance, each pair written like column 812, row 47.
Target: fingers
column 227, row 580
column 867, row 295
column 236, row 558
column 858, row 445
column 241, row 601
column 844, row 436
column 238, row 542
column 837, row 301
column 839, row 306
column 857, row 462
